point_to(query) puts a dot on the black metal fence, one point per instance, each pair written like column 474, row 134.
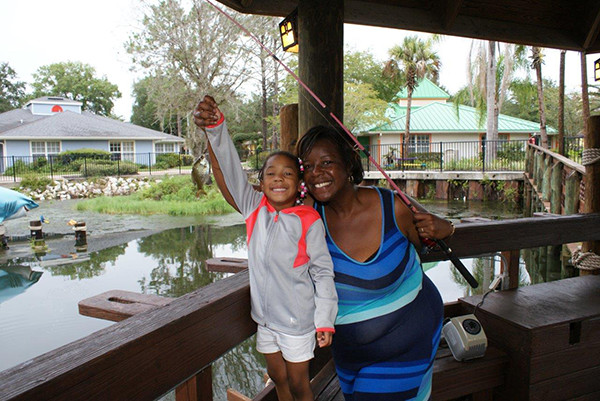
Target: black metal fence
column 15, row 168
column 573, row 146
column 450, row 156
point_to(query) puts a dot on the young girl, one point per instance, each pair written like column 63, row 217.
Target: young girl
column 291, row 273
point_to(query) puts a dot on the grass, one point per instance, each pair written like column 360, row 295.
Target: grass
column 175, row 196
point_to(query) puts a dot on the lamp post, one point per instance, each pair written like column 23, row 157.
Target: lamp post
column 288, row 30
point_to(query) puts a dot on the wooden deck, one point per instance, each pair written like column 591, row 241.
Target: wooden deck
column 156, row 351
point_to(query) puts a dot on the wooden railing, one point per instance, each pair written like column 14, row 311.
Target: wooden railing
column 553, row 182
column 147, row 355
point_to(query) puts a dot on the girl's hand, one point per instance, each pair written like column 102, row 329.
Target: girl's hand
column 207, row 113
column 431, row 226
column 324, row 338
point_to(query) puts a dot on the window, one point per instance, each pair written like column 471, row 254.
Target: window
column 418, row 144
column 165, row 148
column 44, row 149
column 122, row 151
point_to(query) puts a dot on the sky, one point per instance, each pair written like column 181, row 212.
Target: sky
column 37, row 33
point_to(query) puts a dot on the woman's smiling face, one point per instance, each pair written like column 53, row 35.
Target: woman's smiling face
column 324, row 171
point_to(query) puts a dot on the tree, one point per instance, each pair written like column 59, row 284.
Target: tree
column 561, row 104
column 192, row 52
column 12, row 91
column 363, row 68
column 537, row 59
column 362, row 107
column 413, row 60
column 143, row 111
column 76, row 81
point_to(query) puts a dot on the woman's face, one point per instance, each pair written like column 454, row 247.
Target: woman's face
column 324, row 171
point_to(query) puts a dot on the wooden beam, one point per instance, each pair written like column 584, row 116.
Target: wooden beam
column 593, row 31
column 592, row 184
column 452, row 8
column 482, row 238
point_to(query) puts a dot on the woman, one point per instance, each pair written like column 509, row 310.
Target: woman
column 389, row 312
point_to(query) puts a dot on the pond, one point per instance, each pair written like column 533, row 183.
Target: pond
column 38, row 309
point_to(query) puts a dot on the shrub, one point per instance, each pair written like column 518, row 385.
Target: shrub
column 166, row 160
column 35, row 182
column 68, row 156
column 101, row 168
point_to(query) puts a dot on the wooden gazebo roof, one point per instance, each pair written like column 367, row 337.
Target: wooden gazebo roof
column 561, row 24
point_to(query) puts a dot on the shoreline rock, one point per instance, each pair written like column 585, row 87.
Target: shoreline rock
column 62, row 189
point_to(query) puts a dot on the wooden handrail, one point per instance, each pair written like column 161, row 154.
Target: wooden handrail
column 564, row 160
column 150, row 353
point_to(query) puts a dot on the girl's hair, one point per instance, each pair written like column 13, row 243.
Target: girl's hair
column 289, row 155
column 350, row 156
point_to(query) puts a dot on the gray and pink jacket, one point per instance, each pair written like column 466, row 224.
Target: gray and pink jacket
column 291, row 273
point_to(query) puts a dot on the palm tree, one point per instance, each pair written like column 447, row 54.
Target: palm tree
column 413, row 60
column 537, row 60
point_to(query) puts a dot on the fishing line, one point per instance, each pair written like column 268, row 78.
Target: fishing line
column 329, row 115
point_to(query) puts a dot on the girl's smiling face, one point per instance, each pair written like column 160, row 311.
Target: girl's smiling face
column 324, row 171
column 280, row 181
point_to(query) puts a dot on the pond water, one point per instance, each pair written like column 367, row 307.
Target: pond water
column 38, row 306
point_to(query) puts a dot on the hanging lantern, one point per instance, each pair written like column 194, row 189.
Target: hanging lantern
column 288, row 30
column 597, row 70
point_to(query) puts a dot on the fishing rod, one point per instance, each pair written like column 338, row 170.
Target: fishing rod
column 427, row 241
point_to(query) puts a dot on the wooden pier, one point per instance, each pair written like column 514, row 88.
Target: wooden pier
column 173, row 346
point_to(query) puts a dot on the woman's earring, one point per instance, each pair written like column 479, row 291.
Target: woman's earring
column 302, row 194
column 351, row 179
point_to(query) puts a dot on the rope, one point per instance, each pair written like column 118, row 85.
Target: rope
column 590, row 156
column 585, row 260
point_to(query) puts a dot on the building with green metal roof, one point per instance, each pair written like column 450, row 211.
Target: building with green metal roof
column 434, row 121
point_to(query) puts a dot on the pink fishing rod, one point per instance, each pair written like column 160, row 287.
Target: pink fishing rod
column 427, row 241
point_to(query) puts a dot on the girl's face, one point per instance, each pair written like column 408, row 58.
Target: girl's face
column 280, row 182
column 324, row 171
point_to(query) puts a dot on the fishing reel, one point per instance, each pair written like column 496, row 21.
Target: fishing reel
column 465, row 337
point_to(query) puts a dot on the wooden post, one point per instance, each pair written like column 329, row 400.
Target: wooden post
column 528, row 199
column 573, row 181
column 321, row 60
column 288, row 117
column 512, row 258
column 556, row 188
column 197, row 388
column 591, row 140
column 546, row 179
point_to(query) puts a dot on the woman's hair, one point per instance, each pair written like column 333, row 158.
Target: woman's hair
column 289, row 155
column 350, row 156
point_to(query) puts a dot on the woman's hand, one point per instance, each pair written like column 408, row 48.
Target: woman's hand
column 431, row 226
column 207, row 112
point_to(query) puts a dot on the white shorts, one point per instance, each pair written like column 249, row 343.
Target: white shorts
column 293, row 348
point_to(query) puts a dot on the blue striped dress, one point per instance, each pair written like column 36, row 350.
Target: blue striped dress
column 389, row 319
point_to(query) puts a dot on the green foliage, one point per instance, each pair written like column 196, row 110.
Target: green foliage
column 511, row 151
column 19, row 167
column 144, row 109
column 34, row 182
column 12, row 92
column 167, row 160
column 76, row 81
column 257, row 163
column 69, row 156
column 177, row 198
column 104, row 168
column 362, row 108
column 363, row 68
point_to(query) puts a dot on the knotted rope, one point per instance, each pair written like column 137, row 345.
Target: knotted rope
column 590, row 156
column 585, row 260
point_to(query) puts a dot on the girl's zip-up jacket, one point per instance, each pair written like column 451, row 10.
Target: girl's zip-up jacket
column 291, row 273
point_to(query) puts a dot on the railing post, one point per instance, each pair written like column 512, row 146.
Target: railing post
column 149, row 164
column 441, row 157
column 85, row 172
column 51, row 172
column 512, row 270
column 14, row 168
column 197, row 388
column 556, row 188
column 483, row 151
column 592, row 184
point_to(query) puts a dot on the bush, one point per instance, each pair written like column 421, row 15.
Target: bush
column 166, row 160
column 171, row 188
column 69, row 156
column 262, row 156
column 101, row 168
column 35, row 182
column 187, row 160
